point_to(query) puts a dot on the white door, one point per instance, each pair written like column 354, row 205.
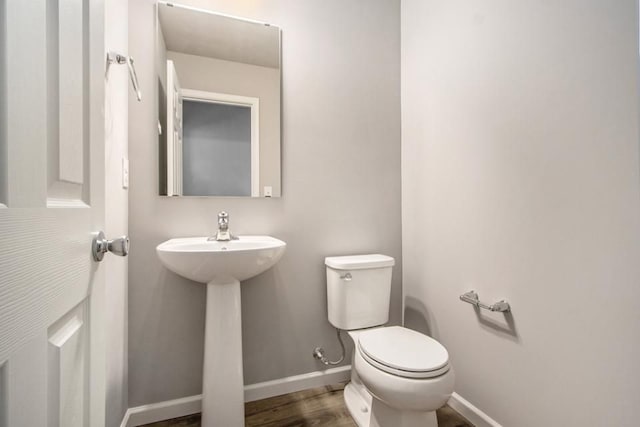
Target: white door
column 52, row 82
column 174, row 132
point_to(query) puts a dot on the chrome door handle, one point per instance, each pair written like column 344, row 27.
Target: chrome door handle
column 101, row 246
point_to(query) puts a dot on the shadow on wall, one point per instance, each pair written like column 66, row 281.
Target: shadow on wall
column 502, row 324
column 265, row 291
column 419, row 318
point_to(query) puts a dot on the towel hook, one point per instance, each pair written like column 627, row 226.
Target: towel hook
column 116, row 58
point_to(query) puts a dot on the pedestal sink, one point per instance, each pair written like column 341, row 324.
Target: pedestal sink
column 222, row 265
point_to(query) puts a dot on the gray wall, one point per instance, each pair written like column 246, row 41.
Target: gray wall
column 520, row 180
column 341, row 195
column 216, row 149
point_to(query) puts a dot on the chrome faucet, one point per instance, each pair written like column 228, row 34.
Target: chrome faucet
column 223, row 234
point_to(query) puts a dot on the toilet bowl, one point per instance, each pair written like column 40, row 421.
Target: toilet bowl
column 387, row 392
column 404, row 368
column 399, row 377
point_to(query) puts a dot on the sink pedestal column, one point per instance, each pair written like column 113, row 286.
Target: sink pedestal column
column 222, row 381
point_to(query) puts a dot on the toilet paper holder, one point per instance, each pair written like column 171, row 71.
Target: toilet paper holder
column 472, row 298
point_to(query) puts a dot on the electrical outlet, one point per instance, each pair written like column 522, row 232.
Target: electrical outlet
column 268, row 191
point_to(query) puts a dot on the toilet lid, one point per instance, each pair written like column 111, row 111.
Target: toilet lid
column 404, row 352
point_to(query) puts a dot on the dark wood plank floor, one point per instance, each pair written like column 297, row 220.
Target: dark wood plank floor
column 322, row 406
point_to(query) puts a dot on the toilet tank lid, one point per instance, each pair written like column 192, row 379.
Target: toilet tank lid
column 358, row 262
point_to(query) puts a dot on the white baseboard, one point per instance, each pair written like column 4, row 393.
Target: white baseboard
column 296, row 383
column 470, row 412
column 154, row 412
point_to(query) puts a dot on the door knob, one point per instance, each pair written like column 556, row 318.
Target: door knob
column 101, row 245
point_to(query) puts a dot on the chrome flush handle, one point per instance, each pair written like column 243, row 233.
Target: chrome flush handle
column 347, row 277
column 101, row 246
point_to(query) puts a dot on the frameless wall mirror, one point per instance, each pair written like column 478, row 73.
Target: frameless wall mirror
column 219, row 104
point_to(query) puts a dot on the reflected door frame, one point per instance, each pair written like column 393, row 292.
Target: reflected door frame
column 174, row 132
column 243, row 101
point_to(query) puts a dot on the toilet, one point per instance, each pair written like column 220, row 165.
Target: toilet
column 399, row 377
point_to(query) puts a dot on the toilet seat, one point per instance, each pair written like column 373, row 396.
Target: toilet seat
column 403, row 352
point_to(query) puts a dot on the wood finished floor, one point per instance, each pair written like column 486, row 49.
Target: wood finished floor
column 322, row 406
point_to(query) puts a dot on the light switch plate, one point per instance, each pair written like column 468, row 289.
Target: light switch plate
column 125, row 173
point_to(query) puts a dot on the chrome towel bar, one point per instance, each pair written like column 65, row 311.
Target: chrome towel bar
column 472, row 298
column 116, row 58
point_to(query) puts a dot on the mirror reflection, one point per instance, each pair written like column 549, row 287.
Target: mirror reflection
column 219, row 104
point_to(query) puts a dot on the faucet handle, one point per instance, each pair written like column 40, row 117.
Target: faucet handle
column 223, row 217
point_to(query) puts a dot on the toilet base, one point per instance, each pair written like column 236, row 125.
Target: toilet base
column 358, row 403
column 370, row 412
column 383, row 415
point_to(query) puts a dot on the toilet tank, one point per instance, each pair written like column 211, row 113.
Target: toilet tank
column 358, row 290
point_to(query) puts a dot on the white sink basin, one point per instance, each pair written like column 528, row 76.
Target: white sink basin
column 209, row 261
column 221, row 265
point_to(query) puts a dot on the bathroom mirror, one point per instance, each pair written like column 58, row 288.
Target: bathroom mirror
column 219, row 104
